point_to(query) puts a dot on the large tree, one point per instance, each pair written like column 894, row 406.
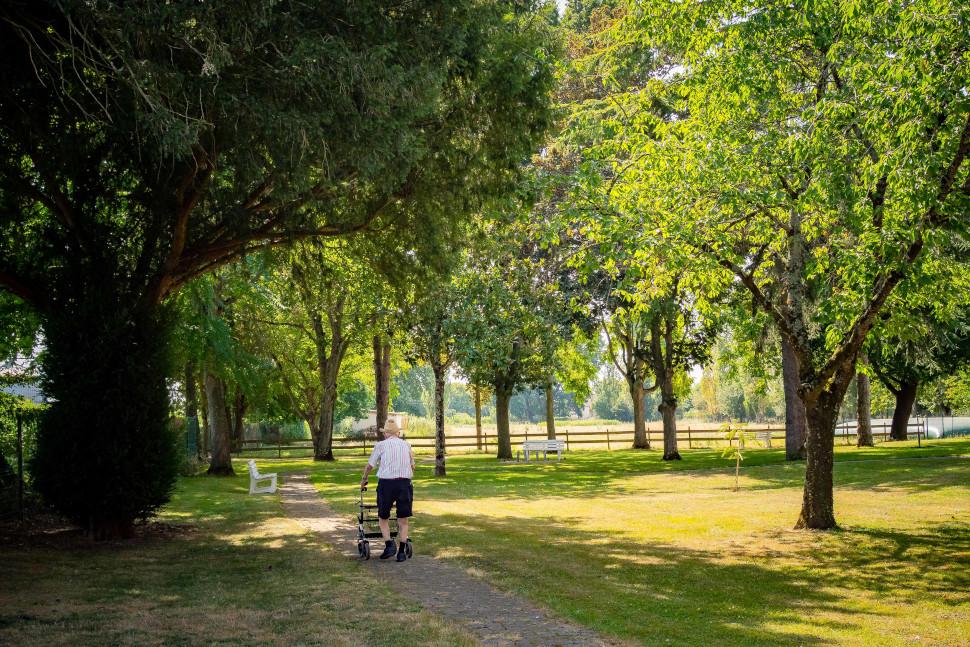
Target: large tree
column 924, row 336
column 499, row 330
column 146, row 143
column 825, row 139
column 431, row 332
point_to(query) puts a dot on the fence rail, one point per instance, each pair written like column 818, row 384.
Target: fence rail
column 692, row 435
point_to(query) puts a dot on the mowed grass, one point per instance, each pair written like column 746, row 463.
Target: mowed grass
column 234, row 570
column 651, row 552
column 667, row 553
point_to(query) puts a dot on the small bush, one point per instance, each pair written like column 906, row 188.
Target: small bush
column 460, row 418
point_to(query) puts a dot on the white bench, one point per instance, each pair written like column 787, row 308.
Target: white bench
column 764, row 437
column 544, row 446
column 255, row 476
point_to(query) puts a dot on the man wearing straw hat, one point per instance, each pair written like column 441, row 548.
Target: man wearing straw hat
column 396, row 460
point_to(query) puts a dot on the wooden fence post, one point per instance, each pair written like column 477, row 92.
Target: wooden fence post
column 20, row 467
column 608, row 448
column 690, row 444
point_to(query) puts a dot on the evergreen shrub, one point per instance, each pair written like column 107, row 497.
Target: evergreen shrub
column 106, row 453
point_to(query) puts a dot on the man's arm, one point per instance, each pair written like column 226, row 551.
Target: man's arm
column 363, row 479
column 371, row 464
column 411, row 449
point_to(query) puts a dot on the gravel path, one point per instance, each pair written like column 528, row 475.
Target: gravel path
column 494, row 617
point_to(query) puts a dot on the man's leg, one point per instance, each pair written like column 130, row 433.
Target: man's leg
column 383, row 519
column 402, row 537
column 404, row 506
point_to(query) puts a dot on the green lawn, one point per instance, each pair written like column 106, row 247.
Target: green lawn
column 663, row 553
column 651, row 552
column 243, row 574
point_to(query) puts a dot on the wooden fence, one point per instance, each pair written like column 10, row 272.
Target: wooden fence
column 688, row 436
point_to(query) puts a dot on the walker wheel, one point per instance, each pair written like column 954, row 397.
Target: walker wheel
column 408, row 549
column 363, row 549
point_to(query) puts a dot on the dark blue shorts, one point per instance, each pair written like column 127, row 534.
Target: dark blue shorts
column 398, row 492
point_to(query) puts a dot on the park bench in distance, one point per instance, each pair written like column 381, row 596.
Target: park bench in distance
column 255, row 476
column 544, row 446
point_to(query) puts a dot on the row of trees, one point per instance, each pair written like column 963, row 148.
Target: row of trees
column 147, row 144
column 277, row 190
column 810, row 158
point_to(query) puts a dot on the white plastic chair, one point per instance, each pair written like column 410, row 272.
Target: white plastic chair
column 255, row 476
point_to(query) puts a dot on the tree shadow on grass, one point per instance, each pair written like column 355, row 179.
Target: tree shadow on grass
column 652, row 593
column 914, row 566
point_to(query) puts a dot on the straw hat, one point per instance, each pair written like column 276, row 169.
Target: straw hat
column 390, row 427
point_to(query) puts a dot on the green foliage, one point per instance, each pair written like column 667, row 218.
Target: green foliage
column 106, row 454
column 611, row 400
column 926, row 333
column 415, row 388
column 19, row 327
column 353, row 402
column 742, row 382
column 13, row 408
column 147, row 143
column 737, row 439
column 786, row 137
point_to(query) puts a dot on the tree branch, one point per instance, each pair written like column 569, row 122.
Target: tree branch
column 20, row 287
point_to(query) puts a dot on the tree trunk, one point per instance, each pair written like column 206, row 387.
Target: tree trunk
column 905, row 399
column 439, row 420
column 323, row 443
column 478, row 417
column 668, row 409
column 238, row 414
column 640, row 440
column 206, row 427
column 382, row 379
column 550, row 411
column 863, row 409
column 220, row 462
column 191, row 411
column 795, row 417
column 503, row 431
column 818, row 511
column 526, row 406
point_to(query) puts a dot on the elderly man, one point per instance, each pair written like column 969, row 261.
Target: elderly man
column 396, row 460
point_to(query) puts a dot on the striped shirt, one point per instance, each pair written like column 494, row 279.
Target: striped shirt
column 395, row 458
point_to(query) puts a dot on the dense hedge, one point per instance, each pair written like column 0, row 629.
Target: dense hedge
column 106, row 453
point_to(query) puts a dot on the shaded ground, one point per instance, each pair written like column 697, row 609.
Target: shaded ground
column 235, row 571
